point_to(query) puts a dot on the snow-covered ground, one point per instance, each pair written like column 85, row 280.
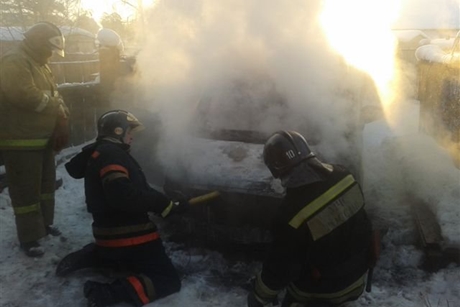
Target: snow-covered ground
column 394, row 160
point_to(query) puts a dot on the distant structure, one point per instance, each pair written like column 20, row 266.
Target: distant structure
column 78, row 41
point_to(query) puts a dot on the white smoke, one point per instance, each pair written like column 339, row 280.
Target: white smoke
column 270, row 55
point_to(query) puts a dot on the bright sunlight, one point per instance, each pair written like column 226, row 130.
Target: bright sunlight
column 125, row 8
column 360, row 30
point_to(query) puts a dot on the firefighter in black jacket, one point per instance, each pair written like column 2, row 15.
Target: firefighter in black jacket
column 119, row 199
column 321, row 234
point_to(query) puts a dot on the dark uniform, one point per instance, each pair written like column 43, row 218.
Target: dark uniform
column 321, row 239
column 30, row 107
column 119, row 198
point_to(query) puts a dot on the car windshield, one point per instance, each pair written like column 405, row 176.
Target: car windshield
column 244, row 111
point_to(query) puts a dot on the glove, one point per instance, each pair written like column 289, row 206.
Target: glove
column 175, row 207
column 61, row 133
column 61, row 130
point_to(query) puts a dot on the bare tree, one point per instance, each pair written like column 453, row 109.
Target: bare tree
column 25, row 13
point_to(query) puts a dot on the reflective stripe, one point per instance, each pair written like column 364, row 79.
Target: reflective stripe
column 122, row 230
column 26, row 209
column 47, row 196
column 137, row 285
column 21, row 144
column 43, row 103
column 167, row 209
column 128, row 241
column 263, row 293
column 310, row 209
column 114, row 176
column 149, row 287
column 95, row 154
column 336, row 213
column 351, row 292
column 113, row 167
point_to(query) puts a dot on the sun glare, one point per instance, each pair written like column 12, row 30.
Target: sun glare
column 360, row 30
column 126, row 9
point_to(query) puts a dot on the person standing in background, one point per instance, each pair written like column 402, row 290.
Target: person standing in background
column 34, row 121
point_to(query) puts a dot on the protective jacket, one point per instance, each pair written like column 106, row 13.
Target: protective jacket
column 321, row 238
column 117, row 193
column 119, row 198
column 29, row 100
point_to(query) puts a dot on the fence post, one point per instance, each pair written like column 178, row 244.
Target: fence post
column 109, row 61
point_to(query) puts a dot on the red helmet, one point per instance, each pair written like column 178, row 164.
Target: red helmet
column 284, row 150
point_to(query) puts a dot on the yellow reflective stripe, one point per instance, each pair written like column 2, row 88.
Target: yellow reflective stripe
column 36, row 143
column 149, row 287
column 336, row 213
column 26, row 209
column 48, row 196
column 352, row 291
column 263, row 293
column 167, row 210
column 313, row 207
column 122, row 230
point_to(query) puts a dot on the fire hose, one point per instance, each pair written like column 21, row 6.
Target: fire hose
column 203, row 198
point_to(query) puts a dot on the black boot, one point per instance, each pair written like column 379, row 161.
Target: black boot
column 81, row 259
column 32, row 249
column 102, row 294
column 53, row 230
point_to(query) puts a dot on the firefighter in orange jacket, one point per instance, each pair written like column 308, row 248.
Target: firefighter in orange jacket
column 119, row 199
column 33, row 119
column 321, row 234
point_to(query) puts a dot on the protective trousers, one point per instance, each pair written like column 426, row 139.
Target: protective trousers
column 301, row 293
column 151, row 272
column 31, row 176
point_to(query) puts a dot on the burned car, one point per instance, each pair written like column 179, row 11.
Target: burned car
column 222, row 151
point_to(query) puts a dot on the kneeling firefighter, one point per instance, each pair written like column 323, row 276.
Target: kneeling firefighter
column 321, row 234
column 119, row 199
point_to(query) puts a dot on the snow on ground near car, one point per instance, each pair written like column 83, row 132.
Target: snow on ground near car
column 209, row 279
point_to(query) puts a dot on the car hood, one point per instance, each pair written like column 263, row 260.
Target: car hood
column 225, row 166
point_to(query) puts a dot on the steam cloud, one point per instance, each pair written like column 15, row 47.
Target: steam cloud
column 269, row 52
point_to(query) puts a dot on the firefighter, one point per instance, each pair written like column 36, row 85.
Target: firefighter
column 33, row 119
column 321, row 234
column 120, row 199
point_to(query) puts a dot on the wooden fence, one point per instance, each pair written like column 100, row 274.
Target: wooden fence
column 85, row 107
column 75, row 68
column 439, row 95
column 75, row 72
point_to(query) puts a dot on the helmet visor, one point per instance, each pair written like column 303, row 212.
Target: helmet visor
column 57, row 44
column 134, row 123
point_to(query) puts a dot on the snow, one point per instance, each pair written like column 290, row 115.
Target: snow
column 241, row 163
column 408, row 35
column 434, row 53
column 438, row 50
column 394, row 157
